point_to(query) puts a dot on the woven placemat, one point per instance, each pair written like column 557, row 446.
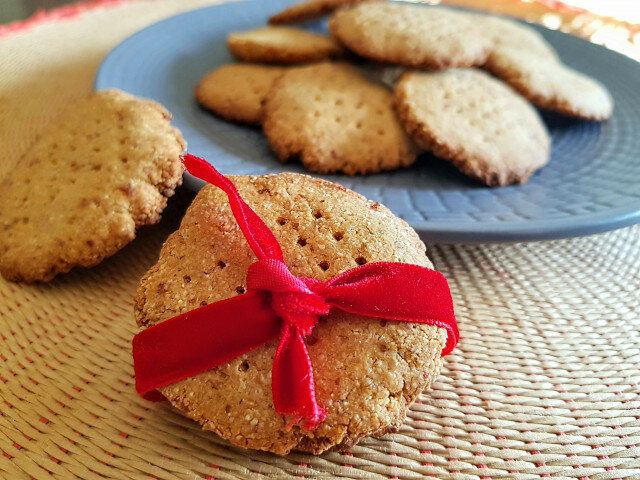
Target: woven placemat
column 543, row 383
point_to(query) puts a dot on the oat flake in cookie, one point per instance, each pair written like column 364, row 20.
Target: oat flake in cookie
column 104, row 168
column 367, row 371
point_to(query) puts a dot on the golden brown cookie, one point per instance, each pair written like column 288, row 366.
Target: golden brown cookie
column 237, row 92
column 105, row 167
column 484, row 128
column 547, row 83
column 282, row 45
column 412, row 35
column 334, row 120
column 504, row 32
column 310, row 9
column 367, row 372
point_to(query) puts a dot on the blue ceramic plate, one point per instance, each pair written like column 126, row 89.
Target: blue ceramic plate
column 591, row 184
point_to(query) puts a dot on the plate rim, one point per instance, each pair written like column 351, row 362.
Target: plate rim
column 443, row 232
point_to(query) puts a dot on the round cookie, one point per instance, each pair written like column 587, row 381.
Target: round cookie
column 311, row 9
column 104, row 168
column 334, row 120
column 367, row 371
column 281, row 45
column 504, row 32
column 484, row 128
column 410, row 35
column 237, row 92
column 547, row 83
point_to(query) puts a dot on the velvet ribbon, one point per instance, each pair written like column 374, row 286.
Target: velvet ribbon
column 279, row 304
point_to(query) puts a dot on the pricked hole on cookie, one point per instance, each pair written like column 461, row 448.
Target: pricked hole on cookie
column 262, row 191
column 361, row 260
column 316, row 114
column 383, row 322
column 187, row 278
column 244, row 366
column 338, row 236
column 96, row 168
column 240, row 290
column 324, row 265
column 380, row 132
column 338, row 119
column 383, row 347
column 25, row 220
column 338, row 102
column 221, row 264
column 282, row 221
column 359, row 125
column 302, row 242
column 124, row 159
column 96, row 149
column 90, row 243
column 317, row 98
column 317, row 214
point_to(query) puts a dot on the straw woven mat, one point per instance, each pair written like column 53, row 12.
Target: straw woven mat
column 543, row 383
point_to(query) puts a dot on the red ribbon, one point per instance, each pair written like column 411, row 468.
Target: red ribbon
column 277, row 303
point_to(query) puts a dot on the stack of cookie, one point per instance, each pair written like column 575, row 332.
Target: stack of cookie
column 467, row 90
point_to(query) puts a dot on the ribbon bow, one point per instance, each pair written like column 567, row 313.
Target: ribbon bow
column 277, row 303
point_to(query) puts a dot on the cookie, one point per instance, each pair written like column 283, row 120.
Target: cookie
column 413, row 36
column 236, row 92
column 281, row 45
column 482, row 126
column 104, row 168
column 334, row 120
column 549, row 84
column 367, row 372
column 312, row 9
column 504, row 32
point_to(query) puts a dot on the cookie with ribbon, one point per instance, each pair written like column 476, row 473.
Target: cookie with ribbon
column 104, row 168
column 304, row 319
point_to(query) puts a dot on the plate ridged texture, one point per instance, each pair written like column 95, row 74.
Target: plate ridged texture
column 590, row 184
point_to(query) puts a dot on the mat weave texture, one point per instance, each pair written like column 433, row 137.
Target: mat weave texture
column 545, row 381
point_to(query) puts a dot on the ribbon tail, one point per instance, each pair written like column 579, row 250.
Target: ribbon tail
column 292, row 380
column 201, row 339
column 260, row 238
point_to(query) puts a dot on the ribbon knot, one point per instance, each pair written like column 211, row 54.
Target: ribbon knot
column 279, row 304
column 292, row 299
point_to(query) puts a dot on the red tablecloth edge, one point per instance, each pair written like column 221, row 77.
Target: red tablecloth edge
column 76, row 9
column 61, row 13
